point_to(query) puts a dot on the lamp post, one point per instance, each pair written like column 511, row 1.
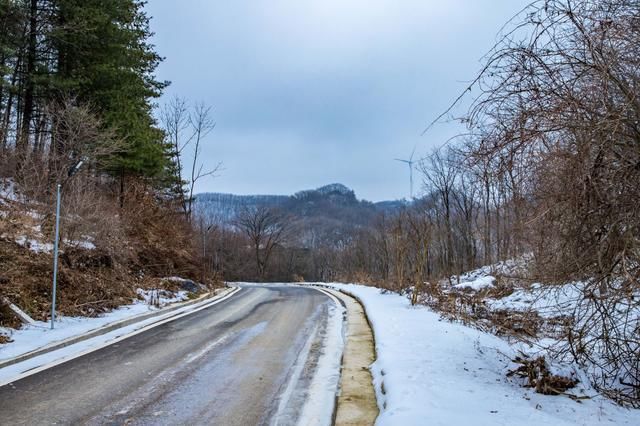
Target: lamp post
column 72, row 171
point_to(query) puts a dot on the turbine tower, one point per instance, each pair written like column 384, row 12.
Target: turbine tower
column 410, row 163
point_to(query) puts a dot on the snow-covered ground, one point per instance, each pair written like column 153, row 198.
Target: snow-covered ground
column 31, row 236
column 432, row 371
column 547, row 301
column 161, row 297
column 32, row 338
column 320, row 402
column 477, row 284
column 40, row 334
column 8, row 191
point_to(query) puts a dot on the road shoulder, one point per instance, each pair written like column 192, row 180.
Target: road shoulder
column 146, row 319
column 356, row 403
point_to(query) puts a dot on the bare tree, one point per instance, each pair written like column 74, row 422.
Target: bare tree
column 184, row 129
column 175, row 121
column 557, row 125
column 439, row 175
column 266, row 228
column 419, row 236
column 202, row 124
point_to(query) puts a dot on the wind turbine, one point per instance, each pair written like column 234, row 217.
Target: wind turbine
column 410, row 162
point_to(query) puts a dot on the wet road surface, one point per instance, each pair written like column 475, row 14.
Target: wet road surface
column 229, row 364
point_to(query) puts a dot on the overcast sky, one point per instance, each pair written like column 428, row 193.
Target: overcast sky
column 311, row 92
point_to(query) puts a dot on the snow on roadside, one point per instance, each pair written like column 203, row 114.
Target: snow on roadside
column 161, row 297
column 29, row 366
column 319, row 406
column 431, row 371
column 32, row 337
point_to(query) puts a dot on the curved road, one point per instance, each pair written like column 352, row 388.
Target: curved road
column 230, row 364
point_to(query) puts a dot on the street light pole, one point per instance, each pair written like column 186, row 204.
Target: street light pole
column 55, row 257
column 72, row 171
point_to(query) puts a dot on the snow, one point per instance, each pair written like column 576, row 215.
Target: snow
column 548, row 301
column 85, row 243
column 477, row 284
column 34, row 245
column 510, row 267
column 35, row 337
column 8, row 191
column 32, row 236
column 431, row 371
column 318, row 407
column 37, row 246
column 32, row 337
column 161, row 297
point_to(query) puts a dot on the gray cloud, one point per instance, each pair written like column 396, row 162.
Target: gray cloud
column 319, row 91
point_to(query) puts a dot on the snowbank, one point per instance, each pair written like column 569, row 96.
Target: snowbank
column 477, row 284
column 161, row 298
column 431, row 371
column 31, row 337
column 547, row 301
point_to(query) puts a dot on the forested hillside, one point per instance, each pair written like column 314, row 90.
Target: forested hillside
column 77, row 94
column 294, row 234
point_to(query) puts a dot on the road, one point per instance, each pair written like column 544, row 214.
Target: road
column 230, row 364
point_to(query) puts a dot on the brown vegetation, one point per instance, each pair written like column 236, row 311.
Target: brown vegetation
column 537, row 374
column 111, row 242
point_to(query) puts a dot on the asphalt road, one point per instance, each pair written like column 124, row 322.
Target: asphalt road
column 230, row 364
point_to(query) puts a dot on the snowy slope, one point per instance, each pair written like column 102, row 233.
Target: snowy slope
column 431, row 371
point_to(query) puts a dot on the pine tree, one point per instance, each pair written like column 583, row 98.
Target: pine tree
column 105, row 60
column 11, row 25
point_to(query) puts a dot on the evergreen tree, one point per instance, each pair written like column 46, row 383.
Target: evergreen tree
column 11, row 21
column 105, row 60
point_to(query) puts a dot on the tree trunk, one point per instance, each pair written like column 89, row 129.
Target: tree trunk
column 29, row 90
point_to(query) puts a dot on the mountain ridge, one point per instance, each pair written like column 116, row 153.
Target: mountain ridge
column 224, row 205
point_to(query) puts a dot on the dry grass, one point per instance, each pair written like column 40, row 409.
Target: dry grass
column 537, row 376
column 136, row 247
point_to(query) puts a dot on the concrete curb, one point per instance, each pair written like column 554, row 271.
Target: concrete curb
column 206, row 298
column 353, row 296
column 356, row 403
